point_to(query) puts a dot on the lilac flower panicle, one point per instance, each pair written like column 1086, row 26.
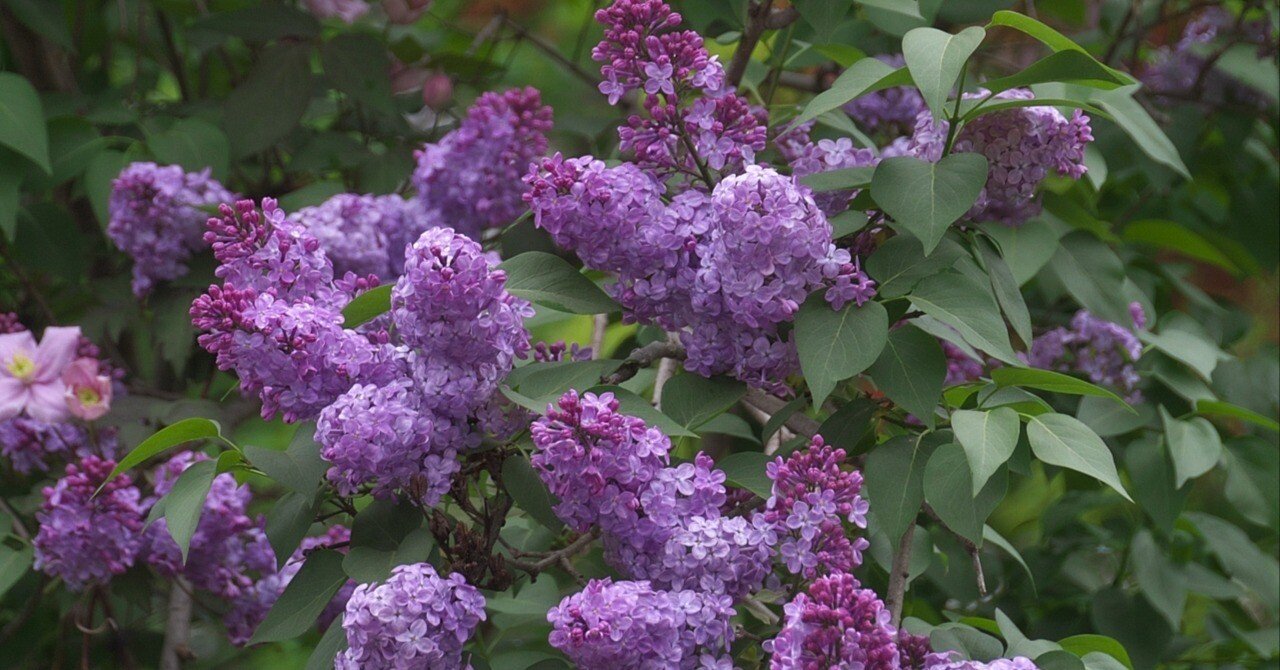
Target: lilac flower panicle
column 812, row 496
column 155, row 217
column 632, row 626
column 595, row 460
column 1104, row 351
column 470, row 179
column 86, row 539
column 834, row 624
column 891, row 110
column 32, row 446
column 641, row 49
column 365, row 234
column 1022, row 146
column 415, row 619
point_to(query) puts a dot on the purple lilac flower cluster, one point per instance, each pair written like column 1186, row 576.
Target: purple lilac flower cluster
column 85, row 539
column 470, row 179
column 835, row 624
column 632, row 626
column 365, row 234
column 892, row 110
column 415, row 619
column 692, row 120
column 1104, row 351
column 1022, row 146
column 961, row 367
column 1184, row 69
column 811, row 498
column 155, row 217
column 31, row 445
column 807, row 157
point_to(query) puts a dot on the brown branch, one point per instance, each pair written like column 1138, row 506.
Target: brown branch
column 643, row 358
column 898, row 573
column 969, row 548
column 799, row 422
column 177, row 629
column 579, row 545
column 760, row 17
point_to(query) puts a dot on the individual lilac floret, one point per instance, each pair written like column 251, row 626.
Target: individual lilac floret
column 86, row 539
column 641, row 49
column 155, row 217
column 631, row 626
column 227, row 544
column 812, row 496
column 835, row 624
column 1104, row 351
column 277, row 318
column 30, row 445
column 365, row 234
column 892, row 110
column 595, row 460
column 470, row 179
column 1022, row 146
column 382, row 436
column 415, row 619
column 251, row 607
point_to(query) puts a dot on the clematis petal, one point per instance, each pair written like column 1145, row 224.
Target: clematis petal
column 57, row 349
column 13, row 397
column 48, row 402
column 11, row 343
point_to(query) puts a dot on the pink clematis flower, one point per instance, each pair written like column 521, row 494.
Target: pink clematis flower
column 88, row 392
column 31, row 374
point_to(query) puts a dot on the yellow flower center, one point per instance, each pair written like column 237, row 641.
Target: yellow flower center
column 22, row 367
column 87, row 396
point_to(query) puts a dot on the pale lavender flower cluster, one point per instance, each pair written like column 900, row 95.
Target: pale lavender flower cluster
column 631, row 626
column 470, row 179
column 811, row 498
column 227, row 544
column 892, row 110
column 365, row 234
column 155, row 217
column 835, row 624
column 416, row 619
column 1022, row 146
column 1104, row 351
column 30, row 445
column 85, row 539
column 807, row 157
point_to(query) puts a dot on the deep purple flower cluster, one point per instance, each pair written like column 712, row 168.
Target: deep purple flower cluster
column 415, row 619
column 228, row 543
column 641, row 48
column 892, row 110
column 1022, row 146
column 470, row 179
column 155, row 217
column 631, row 626
column 961, row 367
column 1104, row 351
column 30, row 445
column 84, row 538
column 835, row 624
column 365, row 234
column 811, row 498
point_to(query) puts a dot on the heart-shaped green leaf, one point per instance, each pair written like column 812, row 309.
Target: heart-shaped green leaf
column 935, row 60
column 925, row 198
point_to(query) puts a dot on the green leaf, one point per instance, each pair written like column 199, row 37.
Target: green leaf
column 926, row 198
column 906, row 8
column 355, row 63
column 528, row 491
column 333, row 642
column 960, row 302
column 911, row 371
column 14, row 564
column 967, row 641
column 1109, row 419
column 546, row 279
column 1054, row 382
column 1140, row 127
column 693, row 400
column 634, row 405
column 1083, row 645
column 1019, row 643
column 299, row 466
column 261, row 22
column 73, row 143
column 1226, row 409
column 1194, row 446
column 778, row 419
column 900, row 263
column 13, row 169
column 947, row 486
column 823, row 16
column 1093, row 275
column 102, row 169
column 1241, row 558
column 287, row 523
column 187, row 430
column 193, row 144
column 1058, row 439
column 1175, row 237
column 46, row 19
column 1241, row 62
column 367, row 306
column 303, row 599
column 835, row 345
column 384, row 534
column 990, row 535
column 847, row 223
column 850, row 425
column 22, row 126
column 1047, row 36
column 1076, row 67
column 731, row 425
column 1162, row 582
column 988, row 439
column 865, row 76
column 1005, row 288
column 1151, row 473
column 1197, row 353
column 185, row 502
column 839, row 180
column 935, row 60
column 1025, row 248
column 745, row 470
column 544, row 383
column 895, row 481
column 270, row 102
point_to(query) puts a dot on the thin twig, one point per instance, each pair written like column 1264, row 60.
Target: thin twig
column 599, row 325
column 760, row 17
column 552, row 53
column 643, row 358
column 969, row 548
column 898, row 574
column 799, row 422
